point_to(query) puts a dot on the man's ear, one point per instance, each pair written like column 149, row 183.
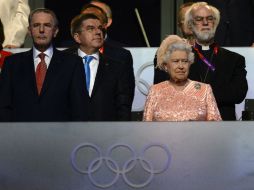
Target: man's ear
column 29, row 31
column 109, row 22
column 56, row 32
column 76, row 38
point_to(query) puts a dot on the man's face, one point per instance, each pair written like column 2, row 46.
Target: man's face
column 91, row 35
column 203, row 24
column 184, row 29
column 42, row 29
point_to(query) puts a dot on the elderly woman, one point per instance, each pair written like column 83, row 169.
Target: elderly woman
column 179, row 98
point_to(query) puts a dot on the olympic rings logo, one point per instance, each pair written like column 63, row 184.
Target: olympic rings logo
column 114, row 167
column 142, row 85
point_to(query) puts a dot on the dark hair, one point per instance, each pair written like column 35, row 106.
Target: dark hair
column 43, row 10
column 76, row 23
column 1, row 34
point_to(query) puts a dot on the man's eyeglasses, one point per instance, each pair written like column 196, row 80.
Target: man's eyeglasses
column 200, row 20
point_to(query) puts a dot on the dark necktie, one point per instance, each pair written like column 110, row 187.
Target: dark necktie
column 41, row 72
column 87, row 60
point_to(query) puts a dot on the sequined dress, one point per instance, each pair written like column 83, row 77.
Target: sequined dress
column 195, row 102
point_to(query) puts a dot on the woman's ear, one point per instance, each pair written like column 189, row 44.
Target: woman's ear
column 165, row 67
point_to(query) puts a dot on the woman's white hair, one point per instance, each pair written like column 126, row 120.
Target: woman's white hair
column 170, row 44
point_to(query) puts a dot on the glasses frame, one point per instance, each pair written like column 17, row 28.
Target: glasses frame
column 198, row 20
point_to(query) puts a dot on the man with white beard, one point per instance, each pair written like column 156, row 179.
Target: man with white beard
column 222, row 69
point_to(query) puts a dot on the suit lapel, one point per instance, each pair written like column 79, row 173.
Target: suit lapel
column 100, row 73
column 29, row 70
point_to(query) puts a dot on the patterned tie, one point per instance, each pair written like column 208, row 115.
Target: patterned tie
column 41, row 72
column 87, row 60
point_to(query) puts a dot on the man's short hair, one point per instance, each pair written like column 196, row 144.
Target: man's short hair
column 76, row 23
column 43, row 10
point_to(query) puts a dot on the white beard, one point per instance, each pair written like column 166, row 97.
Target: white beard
column 204, row 36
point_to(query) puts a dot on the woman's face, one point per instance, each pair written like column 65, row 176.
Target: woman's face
column 178, row 66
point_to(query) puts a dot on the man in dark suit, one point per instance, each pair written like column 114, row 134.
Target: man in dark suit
column 43, row 84
column 110, row 47
column 222, row 69
column 108, row 85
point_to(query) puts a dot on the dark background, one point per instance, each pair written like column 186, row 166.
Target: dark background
column 124, row 29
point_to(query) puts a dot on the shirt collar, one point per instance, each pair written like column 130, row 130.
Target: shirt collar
column 204, row 48
column 48, row 52
column 83, row 54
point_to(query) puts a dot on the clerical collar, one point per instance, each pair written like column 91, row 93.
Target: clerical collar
column 212, row 46
column 205, row 48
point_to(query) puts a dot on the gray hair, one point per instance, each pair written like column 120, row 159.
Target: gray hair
column 189, row 20
column 43, row 10
column 169, row 45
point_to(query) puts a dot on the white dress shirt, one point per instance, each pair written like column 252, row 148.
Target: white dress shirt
column 93, row 68
column 37, row 60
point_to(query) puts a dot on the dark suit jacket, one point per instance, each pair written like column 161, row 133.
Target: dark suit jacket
column 228, row 82
column 112, row 94
column 62, row 97
column 123, row 55
column 114, row 51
